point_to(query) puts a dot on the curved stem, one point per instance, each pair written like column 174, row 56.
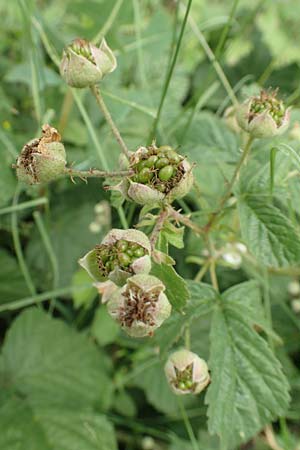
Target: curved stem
column 96, row 92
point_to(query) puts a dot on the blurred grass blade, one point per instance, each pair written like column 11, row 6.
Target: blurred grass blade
column 17, row 244
column 90, row 128
column 50, row 251
column 37, row 299
column 272, row 167
column 226, row 29
column 198, row 106
column 170, row 71
column 24, row 205
column 211, row 57
column 289, row 151
column 109, row 22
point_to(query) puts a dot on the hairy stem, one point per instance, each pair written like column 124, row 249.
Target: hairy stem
column 95, row 173
column 188, row 426
column 234, row 178
column 96, row 92
column 178, row 217
column 158, row 227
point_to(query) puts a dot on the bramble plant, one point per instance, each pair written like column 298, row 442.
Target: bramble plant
column 195, row 226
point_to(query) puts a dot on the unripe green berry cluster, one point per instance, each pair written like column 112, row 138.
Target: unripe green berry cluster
column 159, row 168
column 184, row 379
column 121, row 254
column 82, row 47
column 267, row 102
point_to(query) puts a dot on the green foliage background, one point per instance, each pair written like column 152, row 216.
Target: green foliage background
column 69, row 379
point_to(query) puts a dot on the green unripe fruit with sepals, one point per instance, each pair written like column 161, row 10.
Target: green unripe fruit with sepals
column 166, row 173
column 145, row 175
column 122, row 246
column 124, row 259
column 151, row 185
column 150, row 162
column 173, row 157
column 139, row 252
column 161, row 162
column 114, row 258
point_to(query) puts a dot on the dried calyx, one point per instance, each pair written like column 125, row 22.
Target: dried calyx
column 43, row 159
column 121, row 254
column 186, row 372
column 83, row 64
column 264, row 115
column 140, row 306
column 159, row 173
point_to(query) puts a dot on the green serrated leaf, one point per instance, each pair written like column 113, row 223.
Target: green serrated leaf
column 71, row 215
column 104, row 328
column 83, row 297
column 176, row 288
column 200, row 304
column 44, row 428
column 248, row 296
column 269, row 235
column 173, row 235
column 8, row 180
column 124, row 404
column 12, row 284
column 51, row 364
column 159, row 394
column 248, row 388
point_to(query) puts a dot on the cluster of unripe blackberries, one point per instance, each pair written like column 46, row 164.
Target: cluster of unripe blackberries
column 120, row 254
column 82, row 47
column 159, row 168
column 267, row 102
column 263, row 116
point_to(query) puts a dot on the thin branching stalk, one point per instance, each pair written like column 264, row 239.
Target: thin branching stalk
column 228, row 191
column 178, row 217
column 188, row 425
column 96, row 92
